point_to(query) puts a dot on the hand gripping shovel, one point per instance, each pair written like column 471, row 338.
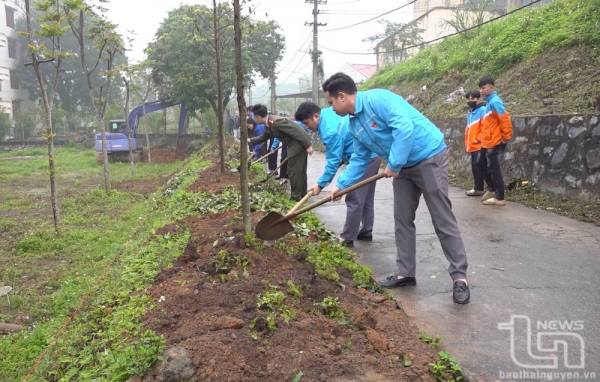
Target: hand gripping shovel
column 237, row 169
column 273, row 225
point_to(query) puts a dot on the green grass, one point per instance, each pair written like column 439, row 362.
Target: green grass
column 72, row 160
column 50, row 274
column 501, row 44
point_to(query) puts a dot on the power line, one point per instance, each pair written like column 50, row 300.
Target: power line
column 297, row 50
column 439, row 38
column 371, row 19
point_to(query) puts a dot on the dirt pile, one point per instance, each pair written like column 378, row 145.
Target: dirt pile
column 227, row 305
column 213, row 180
column 162, row 154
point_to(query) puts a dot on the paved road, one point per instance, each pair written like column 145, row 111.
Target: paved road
column 522, row 262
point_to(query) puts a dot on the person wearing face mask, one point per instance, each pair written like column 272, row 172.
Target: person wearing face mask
column 339, row 146
column 473, row 138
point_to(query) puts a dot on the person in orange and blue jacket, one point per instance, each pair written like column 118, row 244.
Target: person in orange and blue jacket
column 473, row 138
column 496, row 131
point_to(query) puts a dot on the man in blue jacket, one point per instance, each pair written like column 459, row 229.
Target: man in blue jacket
column 384, row 123
column 333, row 131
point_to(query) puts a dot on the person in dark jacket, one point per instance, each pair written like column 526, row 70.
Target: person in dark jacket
column 298, row 145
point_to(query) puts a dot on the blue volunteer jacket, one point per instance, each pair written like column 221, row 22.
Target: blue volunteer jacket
column 339, row 146
column 385, row 124
column 259, row 129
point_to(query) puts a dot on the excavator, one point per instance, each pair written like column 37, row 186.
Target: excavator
column 117, row 144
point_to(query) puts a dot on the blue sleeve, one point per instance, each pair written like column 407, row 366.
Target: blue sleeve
column 275, row 144
column 402, row 130
column 332, row 136
column 359, row 162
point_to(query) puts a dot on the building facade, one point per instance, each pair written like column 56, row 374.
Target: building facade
column 13, row 97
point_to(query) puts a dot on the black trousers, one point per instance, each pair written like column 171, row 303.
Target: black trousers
column 477, row 176
column 489, row 167
column 283, row 173
column 272, row 159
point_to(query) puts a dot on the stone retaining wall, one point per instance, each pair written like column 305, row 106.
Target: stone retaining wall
column 558, row 153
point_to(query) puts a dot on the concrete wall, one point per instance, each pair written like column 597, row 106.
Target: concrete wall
column 559, row 154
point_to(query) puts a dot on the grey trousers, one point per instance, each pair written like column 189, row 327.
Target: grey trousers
column 360, row 211
column 430, row 179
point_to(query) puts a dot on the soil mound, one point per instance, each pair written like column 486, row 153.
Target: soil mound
column 227, row 304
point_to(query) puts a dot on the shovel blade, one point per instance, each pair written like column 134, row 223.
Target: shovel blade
column 273, row 226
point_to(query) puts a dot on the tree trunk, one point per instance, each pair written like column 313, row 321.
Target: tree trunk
column 52, row 171
column 48, row 124
column 129, row 129
column 242, row 111
column 219, row 89
column 146, row 131
column 102, row 128
column 165, row 114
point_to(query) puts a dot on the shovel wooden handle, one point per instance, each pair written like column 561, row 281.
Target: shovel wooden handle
column 301, row 202
column 341, row 193
column 277, row 168
column 266, row 155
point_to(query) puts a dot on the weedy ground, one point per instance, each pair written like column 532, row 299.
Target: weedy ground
column 166, row 237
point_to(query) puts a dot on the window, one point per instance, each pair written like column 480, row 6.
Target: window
column 12, row 48
column 10, row 17
column 16, row 108
column 14, row 80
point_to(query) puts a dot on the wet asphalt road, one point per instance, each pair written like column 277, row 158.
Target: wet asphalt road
column 524, row 265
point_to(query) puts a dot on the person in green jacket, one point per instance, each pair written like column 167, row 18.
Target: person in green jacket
column 298, row 145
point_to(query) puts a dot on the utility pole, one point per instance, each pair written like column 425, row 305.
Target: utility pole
column 315, row 48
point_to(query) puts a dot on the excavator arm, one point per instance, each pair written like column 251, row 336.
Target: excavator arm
column 149, row 107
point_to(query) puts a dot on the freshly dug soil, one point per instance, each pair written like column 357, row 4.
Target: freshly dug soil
column 213, row 180
column 208, row 304
column 162, row 154
column 142, row 186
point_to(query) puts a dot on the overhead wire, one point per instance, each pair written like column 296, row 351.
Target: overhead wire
column 371, row 19
column 439, row 38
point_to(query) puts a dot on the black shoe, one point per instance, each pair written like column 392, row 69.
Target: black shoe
column 367, row 236
column 461, row 293
column 347, row 243
column 394, row 282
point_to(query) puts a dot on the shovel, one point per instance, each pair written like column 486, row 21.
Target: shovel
column 274, row 171
column 273, row 225
column 237, row 169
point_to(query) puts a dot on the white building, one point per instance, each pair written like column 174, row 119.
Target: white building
column 12, row 96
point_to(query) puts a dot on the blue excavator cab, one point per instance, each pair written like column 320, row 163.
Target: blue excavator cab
column 117, row 144
column 116, row 137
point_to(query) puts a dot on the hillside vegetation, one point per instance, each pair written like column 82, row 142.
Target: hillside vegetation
column 546, row 60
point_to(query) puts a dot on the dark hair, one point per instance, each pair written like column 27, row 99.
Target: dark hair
column 339, row 82
column 259, row 110
column 486, row 80
column 250, row 121
column 249, row 108
column 473, row 94
column 306, row 110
